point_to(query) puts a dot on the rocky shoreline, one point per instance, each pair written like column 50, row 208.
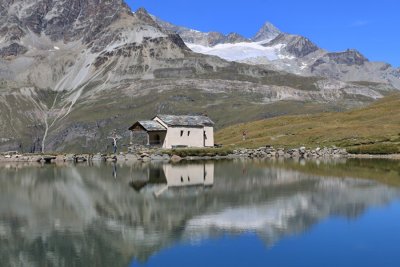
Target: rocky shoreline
column 146, row 155
column 302, row 152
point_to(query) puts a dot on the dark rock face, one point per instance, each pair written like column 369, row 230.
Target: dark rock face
column 296, row 45
column 144, row 16
column 215, row 38
column 348, row 57
column 63, row 20
column 12, row 30
column 302, row 47
column 34, row 18
column 235, row 38
column 128, row 50
column 177, row 40
column 12, row 50
column 397, row 73
column 204, row 38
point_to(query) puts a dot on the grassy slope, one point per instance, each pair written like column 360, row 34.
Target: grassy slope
column 374, row 129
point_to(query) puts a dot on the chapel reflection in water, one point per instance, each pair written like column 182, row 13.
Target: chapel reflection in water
column 170, row 178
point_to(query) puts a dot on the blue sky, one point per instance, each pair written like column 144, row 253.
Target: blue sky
column 370, row 26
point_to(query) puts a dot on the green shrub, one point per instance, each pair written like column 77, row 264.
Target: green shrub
column 374, row 149
column 199, row 152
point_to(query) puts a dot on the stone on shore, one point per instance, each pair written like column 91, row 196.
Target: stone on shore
column 121, row 158
column 59, row 158
column 70, row 157
column 98, row 157
column 176, row 158
column 131, row 157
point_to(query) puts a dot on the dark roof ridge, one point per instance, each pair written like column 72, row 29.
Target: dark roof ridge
column 185, row 120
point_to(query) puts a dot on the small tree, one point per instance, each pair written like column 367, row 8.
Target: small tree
column 115, row 139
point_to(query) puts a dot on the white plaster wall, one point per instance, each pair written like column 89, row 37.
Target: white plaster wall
column 209, row 142
column 209, row 174
column 174, row 138
column 186, row 175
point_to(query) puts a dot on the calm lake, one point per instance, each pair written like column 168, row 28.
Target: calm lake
column 212, row 213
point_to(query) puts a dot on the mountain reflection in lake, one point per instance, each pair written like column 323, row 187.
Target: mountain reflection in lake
column 111, row 215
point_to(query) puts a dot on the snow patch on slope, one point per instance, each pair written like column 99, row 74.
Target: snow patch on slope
column 273, row 215
column 239, row 51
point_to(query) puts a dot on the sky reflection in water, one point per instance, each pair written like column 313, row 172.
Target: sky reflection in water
column 371, row 240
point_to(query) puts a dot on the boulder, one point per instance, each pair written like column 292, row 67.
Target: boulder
column 111, row 159
column 81, row 158
column 59, row 158
column 97, row 157
column 131, row 157
column 176, row 158
column 35, row 159
column 70, row 157
column 24, row 158
column 280, row 153
column 295, row 154
column 145, row 154
column 121, row 158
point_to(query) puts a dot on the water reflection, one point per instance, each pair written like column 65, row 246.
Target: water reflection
column 167, row 179
column 78, row 215
column 114, row 170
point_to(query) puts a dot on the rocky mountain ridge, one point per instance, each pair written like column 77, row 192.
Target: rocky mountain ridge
column 213, row 38
column 203, row 38
column 295, row 54
column 267, row 32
